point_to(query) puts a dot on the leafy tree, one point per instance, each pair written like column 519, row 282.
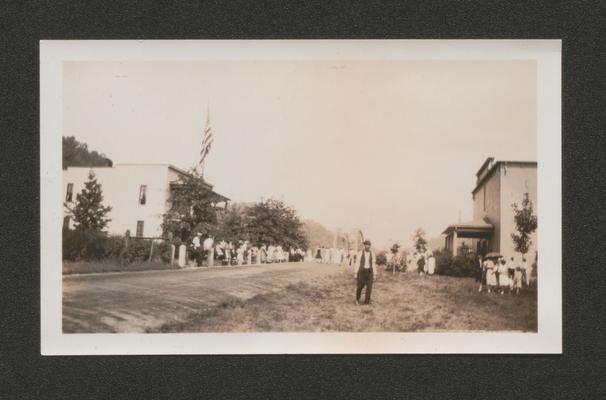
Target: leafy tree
column 272, row 222
column 76, row 154
column 192, row 208
column 526, row 224
column 231, row 224
column 395, row 248
column 420, row 243
column 89, row 213
column 381, row 257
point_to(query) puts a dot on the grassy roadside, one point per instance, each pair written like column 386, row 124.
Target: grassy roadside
column 404, row 303
column 89, row 267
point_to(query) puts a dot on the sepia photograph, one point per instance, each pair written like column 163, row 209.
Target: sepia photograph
column 338, row 196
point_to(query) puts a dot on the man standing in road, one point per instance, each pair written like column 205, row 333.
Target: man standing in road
column 365, row 272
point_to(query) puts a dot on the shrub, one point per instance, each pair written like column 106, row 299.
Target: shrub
column 138, row 250
column 88, row 245
column 420, row 264
column 162, row 251
column 97, row 246
column 443, row 261
column 72, row 245
column 113, row 245
column 381, row 258
column 463, row 265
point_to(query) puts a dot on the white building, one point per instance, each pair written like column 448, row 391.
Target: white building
column 139, row 195
column 499, row 184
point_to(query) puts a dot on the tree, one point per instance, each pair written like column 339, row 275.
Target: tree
column 272, row 222
column 526, row 224
column 420, row 243
column 395, row 248
column 231, row 225
column 89, row 213
column 76, row 154
column 192, row 208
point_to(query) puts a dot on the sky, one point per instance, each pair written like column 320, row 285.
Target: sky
column 384, row 146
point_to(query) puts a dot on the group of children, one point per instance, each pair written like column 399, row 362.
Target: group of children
column 240, row 252
column 500, row 276
column 245, row 253
column 333, row 255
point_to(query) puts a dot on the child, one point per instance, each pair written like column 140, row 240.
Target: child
column 491, row 276
column 504, row 281
column 517, row 279
column 511, row 269
column 483, row 269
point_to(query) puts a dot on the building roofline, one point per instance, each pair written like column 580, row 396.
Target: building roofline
column 143, row 164
column 488, row 160
column 169, row 166
column 75, row 166
column 187, row 173
column 494, row 168
column 478, row 225
column 122, row 165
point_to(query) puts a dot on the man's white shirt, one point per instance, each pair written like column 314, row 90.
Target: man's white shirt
column 367, row 256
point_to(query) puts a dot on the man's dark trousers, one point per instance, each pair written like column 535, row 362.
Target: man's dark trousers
column 365, row 278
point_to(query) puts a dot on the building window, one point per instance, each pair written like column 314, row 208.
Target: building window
column 139, row 228
column 70, row 192
column 142, row 194
column 66, row 222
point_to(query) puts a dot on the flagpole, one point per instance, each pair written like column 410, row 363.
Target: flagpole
column 205, row 138
column 202, row 168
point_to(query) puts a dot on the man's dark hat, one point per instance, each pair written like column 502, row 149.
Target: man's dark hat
column 367, row 241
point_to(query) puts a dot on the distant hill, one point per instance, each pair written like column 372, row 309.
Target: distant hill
column 76, row 154
column 436, row 243
column 317, row 234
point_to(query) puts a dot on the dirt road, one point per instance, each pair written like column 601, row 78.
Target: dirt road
column 136, row 301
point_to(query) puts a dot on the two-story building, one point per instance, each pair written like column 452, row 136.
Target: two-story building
column 499, row 184
column 139, row 195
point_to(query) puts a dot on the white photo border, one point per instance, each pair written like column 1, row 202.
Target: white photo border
column 548, row 338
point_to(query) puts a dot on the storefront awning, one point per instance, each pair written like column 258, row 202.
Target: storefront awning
column 472, row 229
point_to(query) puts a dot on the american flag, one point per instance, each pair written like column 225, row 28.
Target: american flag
column 207, row 141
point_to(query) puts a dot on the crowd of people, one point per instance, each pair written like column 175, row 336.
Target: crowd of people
column 332, row 255
column 501, row 276
column 423, row 262
column 496, row 275
column 222, row 252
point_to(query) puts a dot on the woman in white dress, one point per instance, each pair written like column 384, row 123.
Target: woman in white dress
column 517, row 279
column 525, row 272
column 228, row 252
column 263, row 254
column 491, row 276
column 431, row 264
column 426, row 264
column 504, row 280
column 240, row 254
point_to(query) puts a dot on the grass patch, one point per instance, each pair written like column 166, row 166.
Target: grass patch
column 89, row 267
column 404, row 303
